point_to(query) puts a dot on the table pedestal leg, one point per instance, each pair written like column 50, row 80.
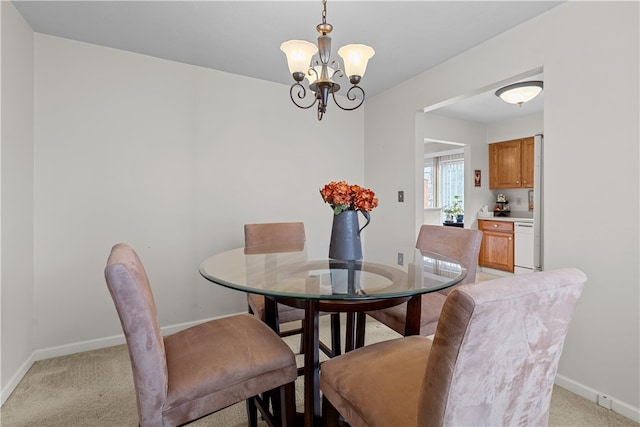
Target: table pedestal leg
column 311, row 365
column 271, row 314
column 414, row 313
column 349, row 337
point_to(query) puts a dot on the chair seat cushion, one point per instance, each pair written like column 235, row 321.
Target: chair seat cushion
column 242, row 358
column 431, row 306
column 347, row 382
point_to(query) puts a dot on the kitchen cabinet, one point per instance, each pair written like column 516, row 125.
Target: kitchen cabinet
column 511, row 164
column 497, row 249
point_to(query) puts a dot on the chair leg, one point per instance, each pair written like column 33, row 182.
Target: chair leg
column 361, row 324
column 330, row 414
column 302, row 338
column 288, row 405
column 335, row 334
column 252, row 412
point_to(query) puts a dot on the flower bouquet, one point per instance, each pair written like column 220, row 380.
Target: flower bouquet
column 342, row 197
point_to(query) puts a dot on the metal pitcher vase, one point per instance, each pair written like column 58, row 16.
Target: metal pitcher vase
column 345, row 235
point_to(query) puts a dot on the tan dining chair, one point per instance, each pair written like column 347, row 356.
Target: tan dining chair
column 492, row 362
column 202, row 369
column 460, row 244
column 278, row 237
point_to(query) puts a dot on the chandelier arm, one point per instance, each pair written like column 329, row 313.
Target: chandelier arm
column 337, row 71
column 301, row 94
column 351, row 97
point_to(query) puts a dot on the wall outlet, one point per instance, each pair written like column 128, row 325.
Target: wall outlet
column 604, row 401
column 400, row 196
column 400, row 258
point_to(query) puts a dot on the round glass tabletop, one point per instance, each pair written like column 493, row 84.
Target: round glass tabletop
column 306, row 272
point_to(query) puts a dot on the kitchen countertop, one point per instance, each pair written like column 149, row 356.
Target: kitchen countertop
column 506, row 219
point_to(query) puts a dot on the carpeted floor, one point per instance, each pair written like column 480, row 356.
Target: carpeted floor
column 95, row 388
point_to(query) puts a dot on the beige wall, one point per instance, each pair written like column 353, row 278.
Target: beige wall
column 168, row 157
column 17, row 200
column 172, row 159
column 589, row 52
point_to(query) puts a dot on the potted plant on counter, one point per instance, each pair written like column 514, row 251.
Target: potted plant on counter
column 455, row 212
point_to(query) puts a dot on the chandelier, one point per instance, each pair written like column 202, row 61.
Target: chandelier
column 321, row 73
column 519, row 93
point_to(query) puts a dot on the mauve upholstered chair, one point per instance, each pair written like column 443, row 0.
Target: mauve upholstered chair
column 200, row 370
column 492, row 362
column 277, row 237
column 460, row 244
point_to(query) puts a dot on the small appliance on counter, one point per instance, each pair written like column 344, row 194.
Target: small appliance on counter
column 502, row 206
column 484, row 212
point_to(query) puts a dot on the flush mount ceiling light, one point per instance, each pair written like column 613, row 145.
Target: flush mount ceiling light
column 320, row 74
column 519, row 93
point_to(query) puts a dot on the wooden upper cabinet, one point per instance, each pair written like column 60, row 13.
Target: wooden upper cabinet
column 527, row 162
column 511, row 164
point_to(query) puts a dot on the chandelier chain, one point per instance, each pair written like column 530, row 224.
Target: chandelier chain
column 324, row 11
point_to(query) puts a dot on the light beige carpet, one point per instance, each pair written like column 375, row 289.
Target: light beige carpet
column 95, row 388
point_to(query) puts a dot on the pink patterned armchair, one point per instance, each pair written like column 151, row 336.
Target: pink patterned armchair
column 492, row 362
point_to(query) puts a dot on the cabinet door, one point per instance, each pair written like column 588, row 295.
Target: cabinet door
column 496, row 250
column 505, row 164
column 527, row 162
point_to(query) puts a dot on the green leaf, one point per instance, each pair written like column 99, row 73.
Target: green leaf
column 338, row 209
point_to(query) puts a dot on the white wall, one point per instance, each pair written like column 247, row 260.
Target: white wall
column 520, row 127
column 16, row 243
column 473, row 135
column 172, row 159
column 591, row 155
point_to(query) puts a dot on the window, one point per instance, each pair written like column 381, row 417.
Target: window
column 443, row 179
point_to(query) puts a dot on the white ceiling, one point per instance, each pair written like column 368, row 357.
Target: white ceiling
column 244, row 37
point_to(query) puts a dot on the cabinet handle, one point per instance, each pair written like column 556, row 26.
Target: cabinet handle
column 495, row 225
column 509, row 238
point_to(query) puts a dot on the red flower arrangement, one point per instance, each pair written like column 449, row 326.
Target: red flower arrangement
column 343, row 197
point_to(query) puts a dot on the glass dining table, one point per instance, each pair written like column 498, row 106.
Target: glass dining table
column 303, row 276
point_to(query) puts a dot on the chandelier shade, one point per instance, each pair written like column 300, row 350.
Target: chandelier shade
column 299, row 54
column 519, row 93
column 355, row 58
column 321, row 72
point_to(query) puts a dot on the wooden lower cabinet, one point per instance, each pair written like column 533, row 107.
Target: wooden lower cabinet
column 496, row 250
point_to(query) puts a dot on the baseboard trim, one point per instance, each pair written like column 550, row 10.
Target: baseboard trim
column 78, row 347
column 618, row 406
column 98, row 343
column 16, row 378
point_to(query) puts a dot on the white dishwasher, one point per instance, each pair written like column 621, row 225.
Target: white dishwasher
column 524, row 247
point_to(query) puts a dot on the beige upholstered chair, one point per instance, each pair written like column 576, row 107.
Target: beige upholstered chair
column 492, row 362
column 460, row 244
column 277, row 237
column 274, row 237
column 197, row 371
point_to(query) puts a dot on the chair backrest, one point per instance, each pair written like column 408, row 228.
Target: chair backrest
column 461, row 244
column 131, row 292
column 495, row 353
column 276, row 236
